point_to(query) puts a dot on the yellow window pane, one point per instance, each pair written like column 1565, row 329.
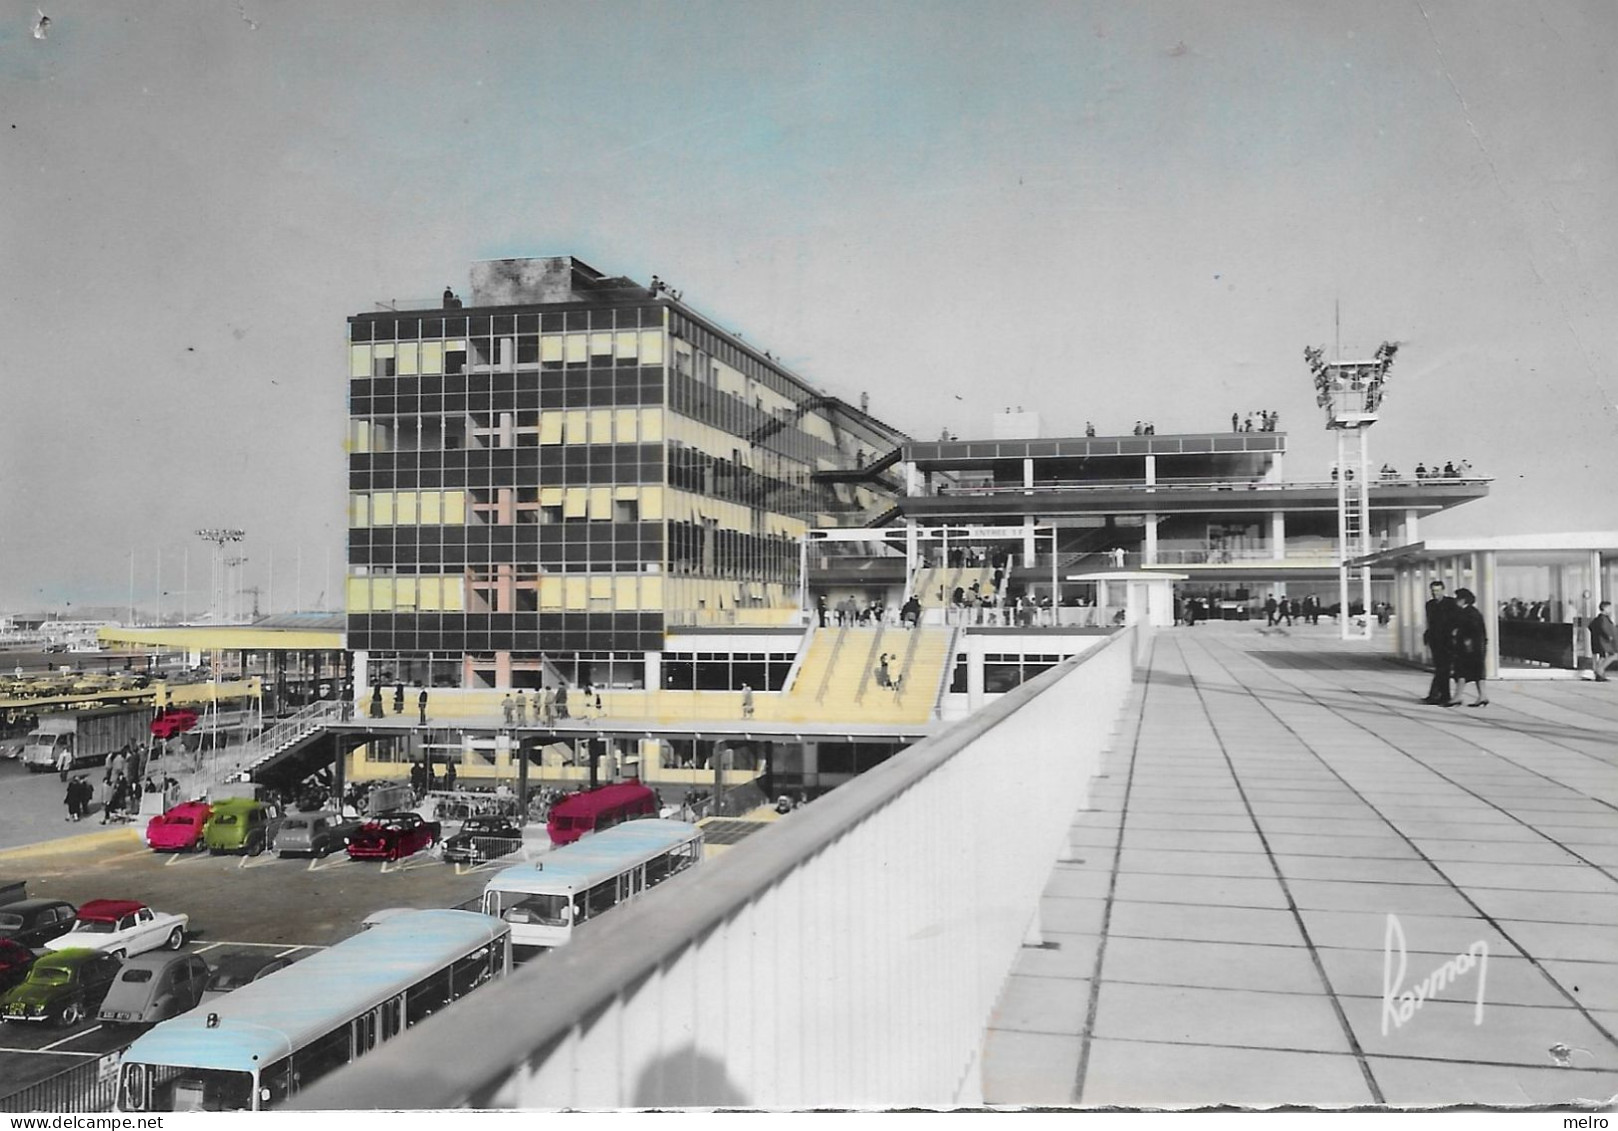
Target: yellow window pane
column 651, row 426
column 601, row 426
column 429, row 595
column 550, row 496
column 359, row 595
column 623, row 597
column 628, row 493
column 404, row 508
column 550, row 347
column 359, row 361
column 455, row 347
column 651, row 504
column 359, row 511
column 454, row 508
column 382, row 349
column 576, row 503
column 360, row 437
column 550, row 427
column 576, row 352
column 574, row 430
column 550, row 593
column 651, row 347
column 627, row 342
column 651, row 592
column 404, row 593
column 382, row 508
column 454, row 594
column 381, row 594
column 600, row 344
column 575, row 593
column 409, row 358
column 432, row 357
column 432, row 508
column 628, row 425
column 601, row 587
column 601, row 504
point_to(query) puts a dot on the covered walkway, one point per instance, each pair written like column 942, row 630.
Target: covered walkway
column 1216, row 932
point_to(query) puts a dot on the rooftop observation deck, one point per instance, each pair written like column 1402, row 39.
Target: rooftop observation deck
column 1191, row 909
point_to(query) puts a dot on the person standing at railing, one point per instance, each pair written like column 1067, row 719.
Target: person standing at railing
column 747, row 701
column 520, row 709
column 398, row 698
column 508, row 710
column 376, row 701
column 421, row 703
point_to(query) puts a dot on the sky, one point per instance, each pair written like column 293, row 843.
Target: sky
column 1104, row 211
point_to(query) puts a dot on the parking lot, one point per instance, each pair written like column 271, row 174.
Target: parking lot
column 294, row 906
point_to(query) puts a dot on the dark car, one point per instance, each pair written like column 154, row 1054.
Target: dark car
column 482, row 839
column 35, row 922
column 61, row 988
column 314, row 833
column 15, row 959
column 237, row 970
column 393, row 837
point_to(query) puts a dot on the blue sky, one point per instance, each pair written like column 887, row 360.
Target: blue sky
column 1109, row 211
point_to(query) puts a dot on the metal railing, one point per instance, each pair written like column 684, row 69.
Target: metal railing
column 850, row 955
column 227, row 763
column 90, row 1085
column 1166, row 486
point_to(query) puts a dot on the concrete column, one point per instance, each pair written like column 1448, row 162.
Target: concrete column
column 654, row 670
column 1411, row 530
column 912, row 479
column 1151, row 471
column 1489, row 604
column 362, row 664
column 1028, row 548
column 1278, row 535
column 1151, row 540
column 974, row 675
column 1028, row 473
column 911, row 548
column 502, row 669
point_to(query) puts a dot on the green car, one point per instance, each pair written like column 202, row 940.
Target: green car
column 62, row 987
column 239, row 824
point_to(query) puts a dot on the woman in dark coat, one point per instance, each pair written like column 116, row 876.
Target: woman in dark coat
column 1470, row 642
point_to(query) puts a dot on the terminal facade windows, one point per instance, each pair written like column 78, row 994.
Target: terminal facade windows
column 1005, row 671
column 726, row 671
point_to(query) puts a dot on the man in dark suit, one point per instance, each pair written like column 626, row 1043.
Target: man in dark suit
column 1440, row 629
column 1603, row 641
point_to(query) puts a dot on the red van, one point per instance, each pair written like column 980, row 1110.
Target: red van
column 597, row 809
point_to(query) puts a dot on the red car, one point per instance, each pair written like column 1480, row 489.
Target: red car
column 393, row 837
column 176, row 720
column 180, row 829
column 15, row 959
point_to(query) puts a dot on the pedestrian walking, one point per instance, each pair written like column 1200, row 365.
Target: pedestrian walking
column 747, row 701
column 1439, row 640
column 820, row 609
column 376, row 701
column 1470, row 639
column 1270, row 606
column 520, row 709
column 1603, row 641
column 64, row 762
column 398, row 699
column 421, row 704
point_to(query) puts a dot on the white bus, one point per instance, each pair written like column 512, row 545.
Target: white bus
column 543, row 901
column 261, row 1044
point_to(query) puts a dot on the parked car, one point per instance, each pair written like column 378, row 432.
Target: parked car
column 122, row 927
column 35, row 922
column 393, row 837
column 237, row 970
column 314, row 833
column 175, row 720
column 15, row 959
column 239, row 824
column 179, row 829
column 482, row 839
column 62, row 987
column 154, row 987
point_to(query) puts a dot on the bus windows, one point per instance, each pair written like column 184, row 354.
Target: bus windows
column 275, row 1084
column 171, row 1088
column 427, row 997
column 551, row 910
column 472, row 971
column 323, row 1055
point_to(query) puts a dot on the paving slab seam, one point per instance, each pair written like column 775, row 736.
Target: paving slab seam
column 1570, row 1069
column 1494, row 923
column 1286, row 891
column 1132, row 734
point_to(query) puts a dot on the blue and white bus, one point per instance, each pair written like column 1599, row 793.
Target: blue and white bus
column 260, row 1044
column 543, row 901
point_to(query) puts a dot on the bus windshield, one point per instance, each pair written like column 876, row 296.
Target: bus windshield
column 152, row 1087
column 515, row 907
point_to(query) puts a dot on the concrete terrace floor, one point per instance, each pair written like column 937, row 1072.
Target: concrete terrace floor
column 1216, row 933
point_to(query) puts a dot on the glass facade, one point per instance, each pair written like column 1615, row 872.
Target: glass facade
column 567, row 479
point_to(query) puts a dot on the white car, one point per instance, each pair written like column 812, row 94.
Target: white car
column 123, row 927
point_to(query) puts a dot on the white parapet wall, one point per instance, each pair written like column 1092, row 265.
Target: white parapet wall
column 848, row 955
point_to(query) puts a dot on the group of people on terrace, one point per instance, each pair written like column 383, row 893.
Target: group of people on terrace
column 1458, row 641
column 1267, row 421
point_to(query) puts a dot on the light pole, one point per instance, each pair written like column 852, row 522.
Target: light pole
column 1351, row 392
column 217, row 601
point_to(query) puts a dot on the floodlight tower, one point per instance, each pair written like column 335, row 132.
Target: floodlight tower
column 1351, row 393
column 218, row 606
